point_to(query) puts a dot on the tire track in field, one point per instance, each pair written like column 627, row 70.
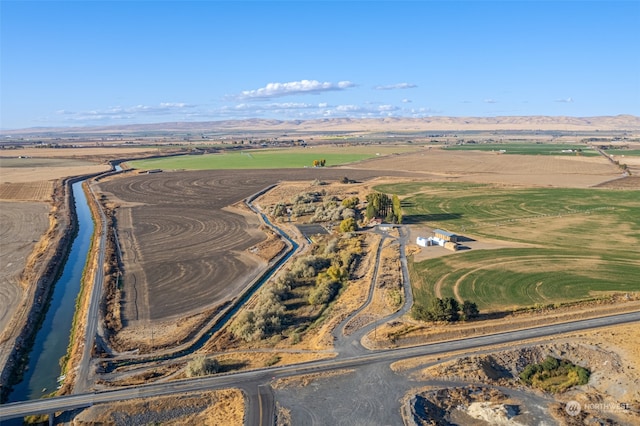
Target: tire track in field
column 515, row 260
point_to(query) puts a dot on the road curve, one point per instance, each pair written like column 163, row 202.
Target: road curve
column 255, row 378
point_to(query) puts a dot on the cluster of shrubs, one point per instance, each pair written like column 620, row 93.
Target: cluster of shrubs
column 330, row 211
column 306, row 203
column 554, row 375
column 265, row 319
column 326, row 209
column 202, row 366
column 315, row 279
column 447, row 309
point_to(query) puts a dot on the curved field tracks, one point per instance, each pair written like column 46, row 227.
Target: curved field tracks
column 582, row 242
column 183, row 249
column 499, row 280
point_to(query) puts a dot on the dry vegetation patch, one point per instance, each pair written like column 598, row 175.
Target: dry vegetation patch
column 209, row 408
column 239, row 360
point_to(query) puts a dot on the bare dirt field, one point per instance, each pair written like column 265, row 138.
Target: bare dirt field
column 489, row 167
column 27, row 191
column 628, row 182
column 81, row 151
column 21, row 226
column 14, row 170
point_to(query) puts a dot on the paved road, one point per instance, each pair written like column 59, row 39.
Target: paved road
column 253, row 379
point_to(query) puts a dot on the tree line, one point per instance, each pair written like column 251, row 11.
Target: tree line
column 447, row 309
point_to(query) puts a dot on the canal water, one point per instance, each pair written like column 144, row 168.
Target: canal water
column 53, row 337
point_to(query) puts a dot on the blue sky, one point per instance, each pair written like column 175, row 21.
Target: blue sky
column 87, row 63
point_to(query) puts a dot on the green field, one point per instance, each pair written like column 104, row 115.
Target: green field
column 285, row 158
column 527, row 148
column 625, row 152
column 577, row 243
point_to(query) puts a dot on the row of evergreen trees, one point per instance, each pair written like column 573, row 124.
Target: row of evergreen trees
column 382, row 206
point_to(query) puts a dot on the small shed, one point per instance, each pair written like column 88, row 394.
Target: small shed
column 423, row 242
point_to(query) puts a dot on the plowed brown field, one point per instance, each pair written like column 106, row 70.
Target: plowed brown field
column 14, row 170
column 27, row 191
column 21, row 226
column 489, row 167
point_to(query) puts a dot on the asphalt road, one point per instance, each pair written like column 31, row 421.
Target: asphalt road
column 253, row 379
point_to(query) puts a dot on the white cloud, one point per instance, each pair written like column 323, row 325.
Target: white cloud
column 273, row 90
column 126, row 113
column 386, row 108
column 348, row 108
column 406, row 101
column 567, row 100
column 490, row 101
column 396, row 86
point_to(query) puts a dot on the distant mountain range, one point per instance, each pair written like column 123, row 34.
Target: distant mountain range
column 370, row 125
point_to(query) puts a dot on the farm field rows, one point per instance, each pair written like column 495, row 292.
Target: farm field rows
column 582, row 242
column 21, row 226
column 27, row 191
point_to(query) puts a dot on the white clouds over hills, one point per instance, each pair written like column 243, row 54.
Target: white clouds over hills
column 273, row 90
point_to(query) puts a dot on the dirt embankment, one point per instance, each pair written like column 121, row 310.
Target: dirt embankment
column 40, row 274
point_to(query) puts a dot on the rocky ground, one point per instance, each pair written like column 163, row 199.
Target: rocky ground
column 485, row 388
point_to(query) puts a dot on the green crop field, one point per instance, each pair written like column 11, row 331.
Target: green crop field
column 528, row 148
column 285, row 158
column 575, row 244
column 625, row 152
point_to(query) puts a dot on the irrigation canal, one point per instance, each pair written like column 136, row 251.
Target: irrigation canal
column 52, row 339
